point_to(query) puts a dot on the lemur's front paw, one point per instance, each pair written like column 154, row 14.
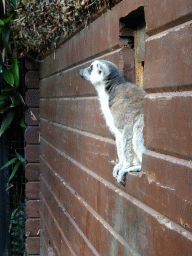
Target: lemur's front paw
column 116, row 169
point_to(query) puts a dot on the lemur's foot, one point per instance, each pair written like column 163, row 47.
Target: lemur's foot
column 121, row 174
column 116, row 169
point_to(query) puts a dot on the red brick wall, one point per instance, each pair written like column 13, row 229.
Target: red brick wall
column 32, row 153
column 84, row 211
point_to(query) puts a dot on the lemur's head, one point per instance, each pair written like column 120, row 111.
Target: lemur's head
column 101, row 73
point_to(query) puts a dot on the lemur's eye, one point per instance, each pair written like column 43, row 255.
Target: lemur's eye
column 91, row 67
column 99, row 71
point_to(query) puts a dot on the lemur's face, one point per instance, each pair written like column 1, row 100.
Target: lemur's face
column 96, row 73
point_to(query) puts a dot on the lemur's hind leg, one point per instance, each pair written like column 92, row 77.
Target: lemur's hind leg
column 127, row 153
column 118, row 166
column 138, row 140
column 133, row 150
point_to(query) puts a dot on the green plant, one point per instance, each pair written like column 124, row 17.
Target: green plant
column 11, row 114
column 10, row 98
column 17, row 230
column 18, row 160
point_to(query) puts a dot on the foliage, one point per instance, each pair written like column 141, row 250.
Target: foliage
column 11, row 112
column 10, row 98
column 17, row 231
column 41, row 25
column 18, row 160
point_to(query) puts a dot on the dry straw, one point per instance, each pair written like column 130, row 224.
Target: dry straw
column 40, row 25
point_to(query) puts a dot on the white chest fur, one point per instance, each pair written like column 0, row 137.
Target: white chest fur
column 104, row 101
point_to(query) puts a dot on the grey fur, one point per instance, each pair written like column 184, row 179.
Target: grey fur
column 122, row 105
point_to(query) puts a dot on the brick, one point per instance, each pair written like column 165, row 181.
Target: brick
column 154, row 228
column 32, row 208
column 53, row 230
column 33, row 245
column 32, row 135
column 167, row 187
column 168, row 59
column 94, row 228
column 52, row 250
column 90, row 196
column 31, row 64
column 32, row 116
column 82, row 147
column 32, row 153
column 81, row 113
column 32, row 98
column 48, row 197
column 43, row 246
column 32, row 190
column 74, row 241
column 126, row 64
column 32, row 79
column 46, row 239
column 168, row 122
column 48, row 109
column 50, row 232
column 32, row 172
column 161, row 15
column 32, row 227
column 65, row 248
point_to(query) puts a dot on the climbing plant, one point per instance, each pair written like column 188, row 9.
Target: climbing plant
column 11, row 115
column 11, row 100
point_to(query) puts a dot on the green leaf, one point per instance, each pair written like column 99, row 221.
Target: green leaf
column 1, row 23
column 2, row 104
column 3, row 98
column 8, row 118
column 22, row 124
column 8, row 76
column 13, row 213
column 15, row 72
column 7, row 19
column 5, row 37
column 15, row 101
column 7, row 89
column 20, row 158
column 3, row 101
column 4, row 109
column 9, row 163
column 14, row 170
column 22, row 100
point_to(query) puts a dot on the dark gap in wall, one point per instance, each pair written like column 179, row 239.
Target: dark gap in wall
column 132, row 33
column 134, row 18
